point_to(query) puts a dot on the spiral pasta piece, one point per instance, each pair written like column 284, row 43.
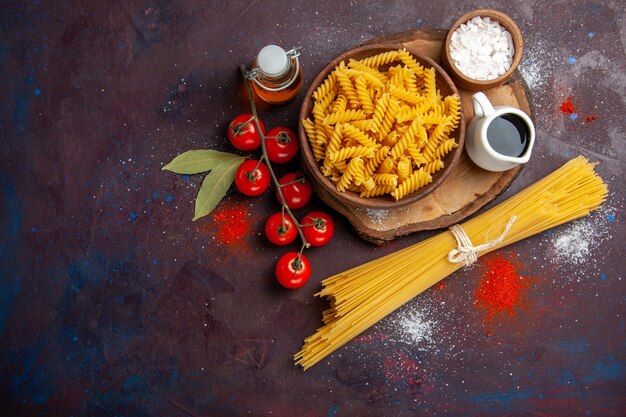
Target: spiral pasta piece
column 378, row 190
column 363, row 95
column 311, row 133
column 351, row 152
column 418, row 157
column 430, row 83
column 445, row 148
column 386, row 179
column 404, row 168
column 414, row 182
column 399, row 92
column 415, row 130
column 379, row 157
column 379, row 112
column 380, row 59
column 410, row 62
column 340, row 104
column 326, row 87
column 393, row 107
column 365, row 69
column 344, row 116
column 362, row 124
column 359, row 175
column 347, row 88
column 433, row 166
column 387, row 166
column 350, row 131
column 453, row 108
column 369, row 184
column 353, row 169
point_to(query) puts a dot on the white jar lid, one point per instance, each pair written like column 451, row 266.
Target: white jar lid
column 272, row 60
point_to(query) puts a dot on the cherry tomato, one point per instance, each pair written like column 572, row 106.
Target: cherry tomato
column 243, row 133
column 280, row 232
column 281, row 145
column 250, row 181
column 293, row 271
column 296, row 190
column 318, row 228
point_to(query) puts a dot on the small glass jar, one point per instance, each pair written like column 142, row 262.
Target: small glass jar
column 276, row 75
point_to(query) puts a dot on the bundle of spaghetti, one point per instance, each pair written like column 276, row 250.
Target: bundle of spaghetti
column 365, row 294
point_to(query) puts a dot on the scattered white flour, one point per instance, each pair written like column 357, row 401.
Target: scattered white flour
column 482, row 49
column 377, row 216
column 533, row 72
column 575, row 243
column 413, row 327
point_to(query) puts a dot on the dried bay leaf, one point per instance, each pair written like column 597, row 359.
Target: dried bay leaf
column 201, row 160
column 215, row 185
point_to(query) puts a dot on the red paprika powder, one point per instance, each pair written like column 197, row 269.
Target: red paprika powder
column 501, row 288
column 567, row 107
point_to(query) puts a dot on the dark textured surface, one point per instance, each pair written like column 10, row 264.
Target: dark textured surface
column 113, row 303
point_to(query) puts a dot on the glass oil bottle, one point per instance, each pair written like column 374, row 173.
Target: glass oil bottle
column 276, row 75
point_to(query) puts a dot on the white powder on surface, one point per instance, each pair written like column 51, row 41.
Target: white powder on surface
column 377, row 216
column 578, row 242
column 574, row 245
column 482, row 49
column 415, row 328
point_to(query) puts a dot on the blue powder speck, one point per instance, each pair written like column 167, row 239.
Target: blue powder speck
column 186, row 177
column 603, row 277
column 75, row 338
column 168, row 198
column 155, row 195
column 34, row 229
column 155, row 261
column 548, row 232
column 573, row 116
column 567, row 154
column 419, row 21
column 610, row 217
column 132, row 216
column 590, row 35
column 572, row 60
column 37, row 91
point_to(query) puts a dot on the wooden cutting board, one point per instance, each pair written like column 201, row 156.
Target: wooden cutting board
column 466, row 189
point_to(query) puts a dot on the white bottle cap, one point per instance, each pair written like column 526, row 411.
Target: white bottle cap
column 272, row 60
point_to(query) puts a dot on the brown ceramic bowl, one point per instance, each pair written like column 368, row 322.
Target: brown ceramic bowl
column 312, row 167
column 463, row 81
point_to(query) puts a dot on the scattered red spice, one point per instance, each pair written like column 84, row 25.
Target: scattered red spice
column 232, row 224
column 501, row 288
column 567, row 107
column 590, row 119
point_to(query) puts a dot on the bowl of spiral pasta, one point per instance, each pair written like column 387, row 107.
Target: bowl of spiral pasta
column 380, row 127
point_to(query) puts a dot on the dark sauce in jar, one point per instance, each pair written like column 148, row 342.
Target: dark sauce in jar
column 508, row 135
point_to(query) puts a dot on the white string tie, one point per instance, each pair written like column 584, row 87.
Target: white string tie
column 465, row 252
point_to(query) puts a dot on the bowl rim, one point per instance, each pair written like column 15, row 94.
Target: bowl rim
column 387, row 202
column 508, row 23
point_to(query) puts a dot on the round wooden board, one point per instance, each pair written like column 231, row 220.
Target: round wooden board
column 466, row 189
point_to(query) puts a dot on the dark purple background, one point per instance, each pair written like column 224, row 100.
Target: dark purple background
column 113, row 303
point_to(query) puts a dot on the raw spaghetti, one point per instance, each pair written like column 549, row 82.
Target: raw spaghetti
column 361, row 296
